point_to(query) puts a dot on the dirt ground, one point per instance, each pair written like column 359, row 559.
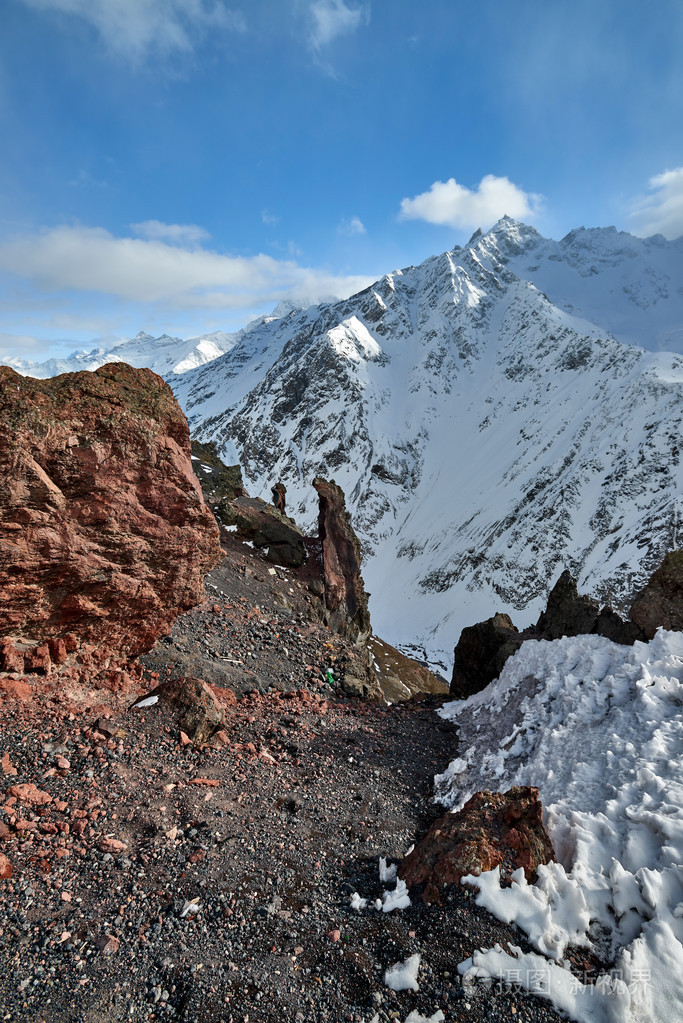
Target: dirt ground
column 156, row 880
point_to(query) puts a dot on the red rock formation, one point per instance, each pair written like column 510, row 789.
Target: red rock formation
column 493, row 829
column 345, row 596
column 104, row 534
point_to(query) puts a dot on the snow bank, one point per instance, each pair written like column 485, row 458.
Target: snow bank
column 403, row 976
column 599, row 729
column 396, row 899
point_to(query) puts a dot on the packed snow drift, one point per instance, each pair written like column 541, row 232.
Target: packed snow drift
column 598, row 728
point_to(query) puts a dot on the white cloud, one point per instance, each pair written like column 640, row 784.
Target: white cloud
column 24, row 344
column 453, row 205
column 178, row 234
column 148, row 271
column 662, row 211
column 269, row 219
column 351, row 227
column 134, row 27
column 332, row 18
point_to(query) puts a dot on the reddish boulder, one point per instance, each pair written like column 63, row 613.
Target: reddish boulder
column 58, row 650
column 11, row 657
column 37, row 660
column 104, row 535
column 29, row 794
column 345, row 596
column 200, row 708
column 18, row 689
column 660, row 603
column 493, row 829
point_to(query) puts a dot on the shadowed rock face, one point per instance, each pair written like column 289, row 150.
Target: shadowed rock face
column 345, row 596
column 266, row 527
column 493, row 829
column 483, row 649
column 660, row 603
column 481, row 652
column 104, row 534
column 218, row 480
column 567, row 613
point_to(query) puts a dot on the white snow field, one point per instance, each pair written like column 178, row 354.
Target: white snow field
column 598, row 728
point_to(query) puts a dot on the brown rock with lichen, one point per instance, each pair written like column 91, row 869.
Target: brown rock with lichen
column 200, row 707
column 104, row 535
column 345, row 596
column 660, row 603
column 493, row 829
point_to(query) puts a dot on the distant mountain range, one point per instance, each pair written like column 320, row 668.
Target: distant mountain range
column 165, row 355
column 487, row 413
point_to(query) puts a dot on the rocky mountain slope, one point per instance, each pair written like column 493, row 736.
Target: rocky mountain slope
column 486, row 436
column 484, row 413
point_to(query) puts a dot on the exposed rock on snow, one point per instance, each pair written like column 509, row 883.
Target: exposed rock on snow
column 104, row 533
column 493, row 829
column 569, row 613
column 660, row 603
column 483, row 649
column 481, row 652
column 597, row 726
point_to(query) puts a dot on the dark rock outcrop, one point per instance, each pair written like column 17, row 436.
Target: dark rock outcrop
column 104, row 535
column 660, row 602
column 265, row 527
column 218, row 480
column 345, row 596
column 567, row 613
column 483, row 649
column 481, row 652
column 493, row 829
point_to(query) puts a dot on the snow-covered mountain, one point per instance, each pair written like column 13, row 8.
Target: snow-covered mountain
column 484, row 417
column 632, row 287
column 165, row 355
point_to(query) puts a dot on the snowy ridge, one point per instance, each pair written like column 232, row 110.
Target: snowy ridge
column 630, row 286
column 486, row 437
column 164, row 355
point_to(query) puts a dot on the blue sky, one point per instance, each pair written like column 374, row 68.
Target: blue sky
column 181, row 165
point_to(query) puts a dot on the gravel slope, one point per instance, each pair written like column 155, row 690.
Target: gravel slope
column 268, row 833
